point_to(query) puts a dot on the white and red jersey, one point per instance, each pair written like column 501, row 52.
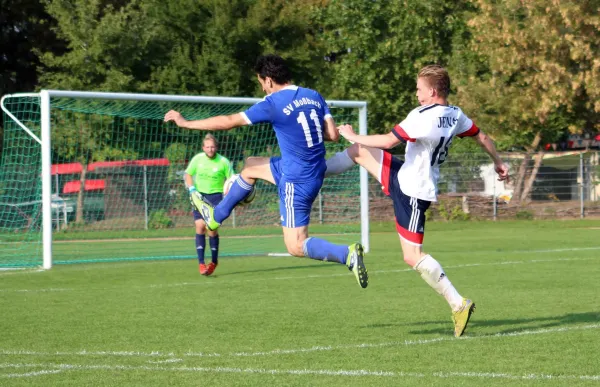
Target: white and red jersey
column 429, row 131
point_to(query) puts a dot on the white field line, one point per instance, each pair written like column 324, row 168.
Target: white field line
column 29, row 374
column 174, row 356
column 35, row 290
column 410, row 342
column 345, row 274
column 554, row 250
column 165, row 361
column 10, row 271
column 345, row 373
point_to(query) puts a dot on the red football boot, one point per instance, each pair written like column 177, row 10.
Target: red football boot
column 203, row 269
column 211, row 268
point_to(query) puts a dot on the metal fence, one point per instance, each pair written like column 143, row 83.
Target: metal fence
column 557, row 185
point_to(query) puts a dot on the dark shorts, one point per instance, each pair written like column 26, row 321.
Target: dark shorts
column 409, row 211
column 213, row 199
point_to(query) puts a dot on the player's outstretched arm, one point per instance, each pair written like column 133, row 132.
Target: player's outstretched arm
column 331, row 133
column 381, row 141
column 189, row 181
column 213, row 123
column 487, row 145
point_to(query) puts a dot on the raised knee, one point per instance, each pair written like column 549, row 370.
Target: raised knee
column 251, row 161
column 354, row 151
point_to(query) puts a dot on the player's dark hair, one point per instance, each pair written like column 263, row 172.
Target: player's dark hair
column 437, row 77
column 274, row 67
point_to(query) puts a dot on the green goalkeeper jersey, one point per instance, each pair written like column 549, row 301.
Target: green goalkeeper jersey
column 209, row 175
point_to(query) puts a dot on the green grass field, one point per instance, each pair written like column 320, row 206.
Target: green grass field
column 282, row 321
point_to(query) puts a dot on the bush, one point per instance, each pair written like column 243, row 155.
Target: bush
column 429, row 215
column 458, row 214
column 524, row 215
column 159, row 219
column 451, row 214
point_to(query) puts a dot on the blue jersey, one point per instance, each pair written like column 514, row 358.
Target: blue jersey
column 297, row 115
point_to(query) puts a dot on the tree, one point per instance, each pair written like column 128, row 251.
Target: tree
column 213, row 45
column 111, row 45
column 377, row 48
column 25, row 30
column 532, row 73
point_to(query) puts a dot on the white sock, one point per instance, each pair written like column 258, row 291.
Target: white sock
column 431, row 271
column 339, row 163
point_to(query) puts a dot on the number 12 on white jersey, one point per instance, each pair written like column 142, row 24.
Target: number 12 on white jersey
column 306, row 128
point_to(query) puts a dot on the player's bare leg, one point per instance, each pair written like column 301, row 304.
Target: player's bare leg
column 369, row 158
column 257, row 168
column 294, row 239
column 299, row 244
column 431, row 271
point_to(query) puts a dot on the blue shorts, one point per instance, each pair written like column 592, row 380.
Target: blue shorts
column 409, row 211
column 295, row 198
column 213, row 199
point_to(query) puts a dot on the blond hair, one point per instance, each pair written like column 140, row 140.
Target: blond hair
column 437, row 77
column 210, row 137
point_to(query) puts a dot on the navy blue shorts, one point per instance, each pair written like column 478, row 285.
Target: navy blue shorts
column 409, row 211
column 295, row 198
column 213, row 199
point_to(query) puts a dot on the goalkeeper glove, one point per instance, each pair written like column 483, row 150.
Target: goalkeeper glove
column 192, row 190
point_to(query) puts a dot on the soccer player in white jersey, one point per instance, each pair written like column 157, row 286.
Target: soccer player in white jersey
column 412, row 184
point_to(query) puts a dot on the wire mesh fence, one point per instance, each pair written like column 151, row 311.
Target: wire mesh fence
column 542, row 185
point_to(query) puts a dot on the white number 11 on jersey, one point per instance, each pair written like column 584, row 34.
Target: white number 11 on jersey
column 304, row 122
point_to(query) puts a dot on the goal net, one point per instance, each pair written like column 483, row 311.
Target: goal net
column 92, row 177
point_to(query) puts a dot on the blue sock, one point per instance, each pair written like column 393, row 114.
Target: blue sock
column 238, row 192
column 214, row 248
column 200, row 245
column 322, row 250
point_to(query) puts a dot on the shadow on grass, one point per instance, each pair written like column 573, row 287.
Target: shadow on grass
column 271, row 269
column 509, row 325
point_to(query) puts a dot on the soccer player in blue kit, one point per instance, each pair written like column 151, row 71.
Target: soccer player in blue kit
column 302, row 121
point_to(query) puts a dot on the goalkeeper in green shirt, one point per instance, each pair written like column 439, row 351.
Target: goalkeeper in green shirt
column 206, row 173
